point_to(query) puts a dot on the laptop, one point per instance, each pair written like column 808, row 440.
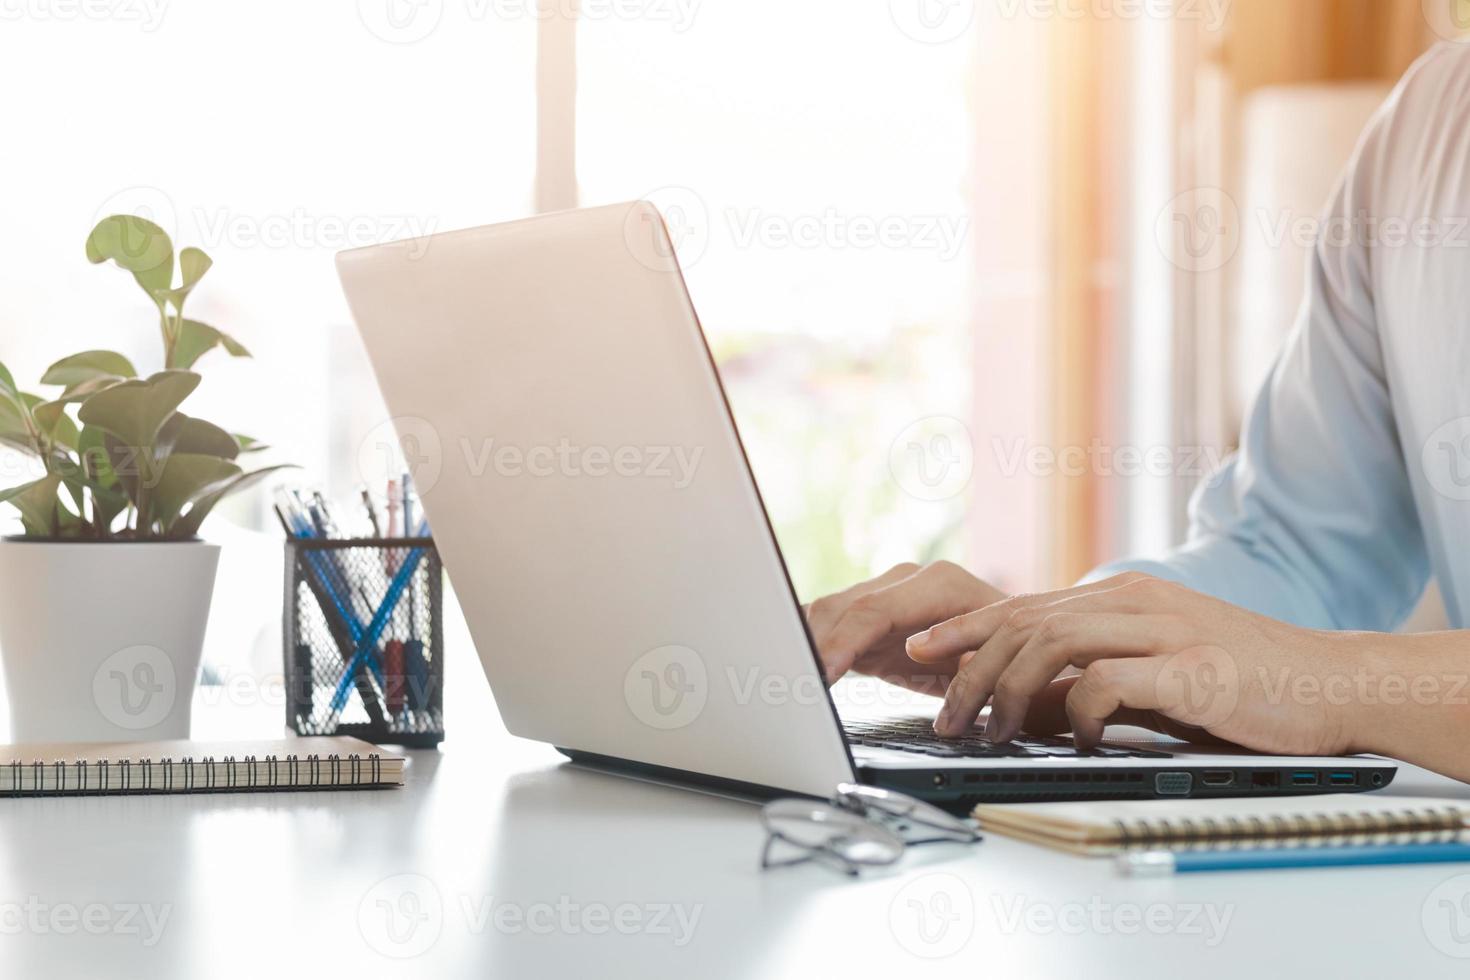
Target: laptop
column 593, row 505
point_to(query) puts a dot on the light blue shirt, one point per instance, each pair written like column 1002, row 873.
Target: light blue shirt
column 1352, row 484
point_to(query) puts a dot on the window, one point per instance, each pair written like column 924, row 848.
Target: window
column 813, row 162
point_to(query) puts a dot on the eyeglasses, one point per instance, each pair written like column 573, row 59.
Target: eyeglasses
column 862, row 827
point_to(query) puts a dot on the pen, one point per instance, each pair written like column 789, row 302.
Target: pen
column 329, row 525
column 372, row 513
column 1149, row 864
column 406, row 487
column 395, row 507
column 340, row 619
column 390, row 560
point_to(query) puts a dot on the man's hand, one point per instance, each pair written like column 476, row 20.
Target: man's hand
column 864, row 628
column 1151, row 653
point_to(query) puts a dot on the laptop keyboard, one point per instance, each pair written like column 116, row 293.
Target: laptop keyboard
column 917, row 735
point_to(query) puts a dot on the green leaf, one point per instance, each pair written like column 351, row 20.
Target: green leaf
column 14, row 430
column 137, row 245
column 135, row 410
column 108, row 496
column 196, row 339
column 132, row 468
column 15, row 413
column 51, row 419
column 186, row 434
column 88, row 366
column 8, row 390
column 73, row 478
column 106, row 505
column 188, row 525
column 193, row 264
column 187, row 476
column 92, row 448
column 249, row 444
column 37, row 503
column 80, row 390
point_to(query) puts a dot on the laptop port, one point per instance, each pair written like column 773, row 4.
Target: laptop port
column 1265, row 780
column 1304, row 779
column 1342, row 778
column 1219, row 777
column 1173, row 783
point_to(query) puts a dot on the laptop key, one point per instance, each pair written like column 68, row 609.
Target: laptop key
column 917, row 735
column 903, row 746
column 943, row 752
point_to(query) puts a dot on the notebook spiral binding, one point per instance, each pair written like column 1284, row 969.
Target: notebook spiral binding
column 188, row 774
column 1426, row 825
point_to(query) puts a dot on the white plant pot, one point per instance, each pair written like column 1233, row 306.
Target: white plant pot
column 101, row 641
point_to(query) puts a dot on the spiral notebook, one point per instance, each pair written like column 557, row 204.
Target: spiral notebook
column 1109, row 827
column 196, row 767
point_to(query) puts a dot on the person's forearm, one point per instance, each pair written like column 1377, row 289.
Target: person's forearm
column 1253, row 578
column 1407, row 697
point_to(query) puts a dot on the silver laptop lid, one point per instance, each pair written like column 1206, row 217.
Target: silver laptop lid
column 590, row 497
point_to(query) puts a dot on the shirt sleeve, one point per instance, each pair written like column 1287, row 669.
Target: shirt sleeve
column 1313, row 520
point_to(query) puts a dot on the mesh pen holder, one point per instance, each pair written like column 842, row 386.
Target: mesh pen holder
column 364, row 643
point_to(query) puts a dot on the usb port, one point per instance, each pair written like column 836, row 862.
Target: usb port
column 1219, row 777
column 1304, row 779
column 1343, row 778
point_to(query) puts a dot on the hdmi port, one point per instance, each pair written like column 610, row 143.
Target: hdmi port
column 1219, row 777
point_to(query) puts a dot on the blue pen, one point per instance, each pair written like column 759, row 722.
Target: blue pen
column 369, row 637
column 331, row 584
column 1148, row 864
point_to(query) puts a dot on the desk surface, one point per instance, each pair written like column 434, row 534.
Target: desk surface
column 500, row 860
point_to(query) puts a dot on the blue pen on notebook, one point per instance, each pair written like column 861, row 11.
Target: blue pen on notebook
column 1146, row 864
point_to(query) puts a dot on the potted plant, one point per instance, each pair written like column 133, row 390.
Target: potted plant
column 105, row 597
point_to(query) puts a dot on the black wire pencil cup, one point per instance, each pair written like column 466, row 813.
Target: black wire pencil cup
column 364, row 646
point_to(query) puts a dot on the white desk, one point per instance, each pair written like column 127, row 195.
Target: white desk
column 288, row 885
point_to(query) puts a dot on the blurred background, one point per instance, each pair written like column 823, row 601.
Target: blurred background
column 988, row 280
